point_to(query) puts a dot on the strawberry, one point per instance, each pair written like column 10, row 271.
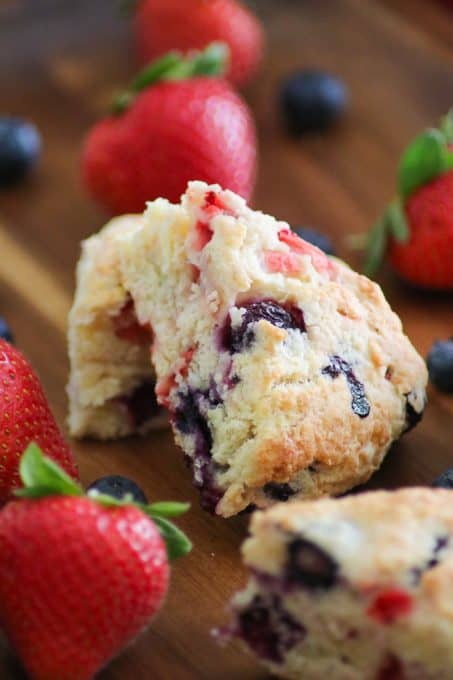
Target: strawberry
column 177, row 123
column 25, row 416
column 80, row 576
column 163, row 25
column 417, row 228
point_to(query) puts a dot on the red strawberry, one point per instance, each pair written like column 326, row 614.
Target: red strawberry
column 426, row 259
column 80, row 576
column 163, row 25
column 417, row 228
column 25, row 416
column 174, row 130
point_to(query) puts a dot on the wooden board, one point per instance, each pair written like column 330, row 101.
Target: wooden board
column 59, row 64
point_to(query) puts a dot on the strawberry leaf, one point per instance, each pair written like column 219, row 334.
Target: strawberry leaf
column 176, row 541
column 391, row 225
column 212, row 61
column 424, row 159
column 376, row 247
column 168, row 509
column 446, row 127
column 155, row 71
column 396, row 222
column 42, row 477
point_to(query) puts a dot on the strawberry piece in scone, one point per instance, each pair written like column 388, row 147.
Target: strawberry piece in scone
column 111, row 384
column 287, row 375
column 357, row 588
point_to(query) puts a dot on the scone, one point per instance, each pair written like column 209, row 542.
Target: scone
column 111, row 384
column 286, row 374
column 358, row 588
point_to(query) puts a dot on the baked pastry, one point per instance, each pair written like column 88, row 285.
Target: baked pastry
column 286, row 374
column 111, row 384
column 357, row 588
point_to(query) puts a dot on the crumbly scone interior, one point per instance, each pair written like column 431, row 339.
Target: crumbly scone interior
column 104, row 367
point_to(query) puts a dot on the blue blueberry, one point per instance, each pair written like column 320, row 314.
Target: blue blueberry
column 278, row 492
column 359, row 402
column 317, row 239
column 440, row 365
column 5, row 332
column 190, row 419
column 242, row 337
column 20, row 145
column 118, row 486
column 312, row 100
column 310, row 566
column 444, row 480
column 142, row 404
column 268, row 629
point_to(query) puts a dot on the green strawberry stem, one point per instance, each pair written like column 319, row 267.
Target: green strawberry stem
column 392, row 224
column 211, row 61
column 427, row 157
column 42, row 477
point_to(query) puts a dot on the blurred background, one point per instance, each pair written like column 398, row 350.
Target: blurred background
column 60, row 63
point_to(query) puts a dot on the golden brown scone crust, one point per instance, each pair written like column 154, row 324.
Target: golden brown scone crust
column 285, row 420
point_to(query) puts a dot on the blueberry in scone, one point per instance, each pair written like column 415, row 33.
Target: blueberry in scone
column 286, row 374
column 111, row 383
column 358, row 588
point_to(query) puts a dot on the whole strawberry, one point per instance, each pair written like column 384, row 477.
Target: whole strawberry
column 25, row 416
column 177, row 123
column 80, row 576
column 163, row 25
column 417, row 228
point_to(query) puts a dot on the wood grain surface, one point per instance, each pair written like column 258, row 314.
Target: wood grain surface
column 59, row 64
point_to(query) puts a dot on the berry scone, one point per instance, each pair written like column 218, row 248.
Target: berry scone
column 286, row 374
column 357, row 588
column 111, row 384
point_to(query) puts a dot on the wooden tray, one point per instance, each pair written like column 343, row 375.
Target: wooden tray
column 59, row 67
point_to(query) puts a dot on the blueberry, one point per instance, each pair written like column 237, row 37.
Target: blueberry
column 391, row 669
column 444, row 480
column 440, row 365
column 268, row 629
column 278, row 492
column 20, row 145
column 359, row 403
column 317, row 239
column 5, row 332
column 190, row 420
column 312, row 100
column 242, row 337
column 310, row 566
column 141, row 403
column 118, row 486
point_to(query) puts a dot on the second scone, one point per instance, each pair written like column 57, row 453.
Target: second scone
column 286, row 374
